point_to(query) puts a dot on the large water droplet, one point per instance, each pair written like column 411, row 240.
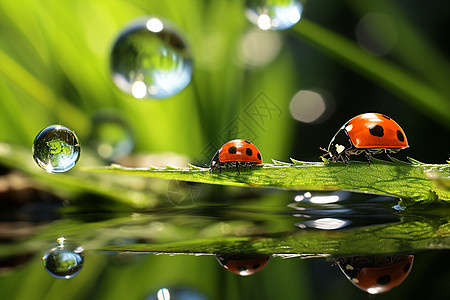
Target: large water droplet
column 62, row 262
column 150, row 59
column 274, row 14
column 56, row 149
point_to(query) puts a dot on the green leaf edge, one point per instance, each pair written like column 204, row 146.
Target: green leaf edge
column 431, row 191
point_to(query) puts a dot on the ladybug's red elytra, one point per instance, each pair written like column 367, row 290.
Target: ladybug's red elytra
column 236, row 153
column 376, row 275
column 369, row 133
column 243, row 265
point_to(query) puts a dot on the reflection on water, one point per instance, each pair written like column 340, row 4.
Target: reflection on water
column 376, row 274
column 232, row 231
column 62, row 261
column 243, row 264
column 176, row 293
column 342, row 209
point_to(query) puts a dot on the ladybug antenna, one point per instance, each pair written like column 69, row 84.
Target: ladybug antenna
column 324, row 156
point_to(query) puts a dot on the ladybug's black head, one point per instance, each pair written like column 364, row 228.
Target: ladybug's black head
column 339, row 144
column 215, row 160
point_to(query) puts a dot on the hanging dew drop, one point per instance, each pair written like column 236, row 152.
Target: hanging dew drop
column 56, row 149
column 274, row 14
column 63, row 263
column 151, row 60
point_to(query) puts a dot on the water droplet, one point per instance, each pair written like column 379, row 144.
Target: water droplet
column 63, row 263
column 151, row 60
column 268, row 14
column 56, row 149
column 111, row 136
column 398, row 207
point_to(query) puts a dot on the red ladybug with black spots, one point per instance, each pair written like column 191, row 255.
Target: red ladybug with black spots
column 236, row 154
column 243, row 265
column 375, row 274
column 369, row 133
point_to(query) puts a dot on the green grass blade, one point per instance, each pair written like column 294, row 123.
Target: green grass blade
column 419, row 94
column 20, row 77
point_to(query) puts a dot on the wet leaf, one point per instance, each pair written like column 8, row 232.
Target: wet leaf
column 409, row 181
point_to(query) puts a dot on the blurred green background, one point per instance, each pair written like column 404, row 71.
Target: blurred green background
column 55, row 70
column 383, row 56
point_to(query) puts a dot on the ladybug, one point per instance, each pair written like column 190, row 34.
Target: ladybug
column 374, row 274
column 369, row 133
column 236, row 153
column 243, row 265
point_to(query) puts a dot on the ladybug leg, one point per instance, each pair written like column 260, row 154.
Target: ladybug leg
column 369, row 157
column 327, row 155
column 213, row 168
column 346, row 158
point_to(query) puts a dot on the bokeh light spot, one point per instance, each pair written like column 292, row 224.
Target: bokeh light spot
column 307, row 106
column 258, row 48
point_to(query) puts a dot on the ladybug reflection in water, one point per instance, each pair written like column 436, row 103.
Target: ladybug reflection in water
column 242, row 264
column 236, row 154
column 369, row 133
column 376, row 274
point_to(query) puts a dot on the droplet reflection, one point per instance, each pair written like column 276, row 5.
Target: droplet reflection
column 63, row 263
column 150, row 59
column 154, row 25
column 277, row 15
column 326, row 223
column 177, row 293
column 341, row 209
column 56, row 149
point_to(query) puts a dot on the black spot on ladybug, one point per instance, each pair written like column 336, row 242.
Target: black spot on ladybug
column 406, row 267
column 232, row 150
column 242, row 268
column 258, row 155
column 384, row 279
column 256, row 266
column 400, row 136
column 247, row 142
column 376, row 130
column 249, row 152
column 386, row 117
